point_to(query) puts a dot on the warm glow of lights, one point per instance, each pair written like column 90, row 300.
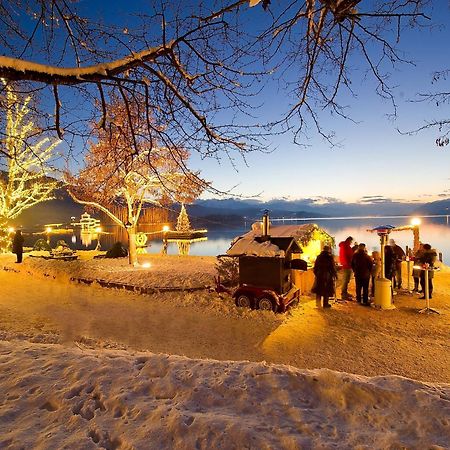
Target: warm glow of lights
column 166, row 228
column 11, row 230
column 23, row 182
column 98, row 230
column 48, row 229
column 146, row 265
column 415, row 221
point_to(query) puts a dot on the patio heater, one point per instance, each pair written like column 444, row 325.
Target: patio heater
column 383, row 288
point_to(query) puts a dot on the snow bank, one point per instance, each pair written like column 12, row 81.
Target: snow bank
column 164, row 271
column 56, row 397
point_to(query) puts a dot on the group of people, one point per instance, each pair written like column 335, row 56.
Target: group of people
column 355, row 260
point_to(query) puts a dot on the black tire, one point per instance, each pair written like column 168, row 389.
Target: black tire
column 243, row 301
column 267, row 303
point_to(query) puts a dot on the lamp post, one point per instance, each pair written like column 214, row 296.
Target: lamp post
column 48, row 230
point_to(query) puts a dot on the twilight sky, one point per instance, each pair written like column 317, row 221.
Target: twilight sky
column 372, row 158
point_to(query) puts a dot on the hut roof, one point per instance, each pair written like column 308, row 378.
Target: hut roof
column 254, row 245
column 303, row 233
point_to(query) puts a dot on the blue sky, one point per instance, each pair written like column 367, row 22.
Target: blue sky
column 372, row 158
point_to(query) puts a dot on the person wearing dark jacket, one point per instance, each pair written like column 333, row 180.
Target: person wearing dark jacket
column 427, row 259
column 345, row 258
column 17, row 245
column 389, row 262
column 399, row 256
column 325, row 273
column 417, row 271
column 362, row 268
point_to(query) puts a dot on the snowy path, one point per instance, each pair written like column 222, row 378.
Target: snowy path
column 199, row 325
column 51, row 311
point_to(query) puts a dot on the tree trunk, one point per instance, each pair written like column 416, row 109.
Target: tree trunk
column 132, row 253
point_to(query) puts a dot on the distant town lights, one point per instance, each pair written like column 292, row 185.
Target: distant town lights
column 415, row 221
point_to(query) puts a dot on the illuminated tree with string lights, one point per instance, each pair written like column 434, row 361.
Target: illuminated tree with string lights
column 183, row 223
column 122, row 170
column 24, row 163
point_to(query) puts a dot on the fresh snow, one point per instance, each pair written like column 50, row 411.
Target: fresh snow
column 56, row 397
column 87, row 367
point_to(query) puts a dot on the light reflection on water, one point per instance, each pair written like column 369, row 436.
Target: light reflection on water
column 435, row 231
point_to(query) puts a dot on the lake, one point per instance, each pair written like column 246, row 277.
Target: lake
column 435, row 231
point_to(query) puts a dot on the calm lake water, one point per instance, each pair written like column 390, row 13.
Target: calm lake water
column 435, row 231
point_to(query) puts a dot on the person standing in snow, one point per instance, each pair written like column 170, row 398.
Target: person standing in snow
column 17, row 245
column 427, row 260
column 362, row 268
column 345, row 258
column 416, row 272
column 325, row 273
column 399, row 255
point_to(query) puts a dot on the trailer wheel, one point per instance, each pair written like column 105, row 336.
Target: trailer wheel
column 267, row 304
column 243, row 301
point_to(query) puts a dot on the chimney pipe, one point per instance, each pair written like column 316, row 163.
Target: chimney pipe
column 265, row 224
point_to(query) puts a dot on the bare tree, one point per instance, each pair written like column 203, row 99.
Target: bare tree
column 439, row 97
column 191, row 62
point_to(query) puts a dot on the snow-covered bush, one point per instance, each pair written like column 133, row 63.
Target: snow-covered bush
column 228, row 270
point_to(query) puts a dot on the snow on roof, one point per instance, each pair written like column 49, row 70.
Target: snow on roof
column 301, row 232
column 248, row 246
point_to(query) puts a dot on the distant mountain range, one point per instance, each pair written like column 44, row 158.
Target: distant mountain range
column 234, row 211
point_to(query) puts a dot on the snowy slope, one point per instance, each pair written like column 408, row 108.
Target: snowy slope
column 58, row 397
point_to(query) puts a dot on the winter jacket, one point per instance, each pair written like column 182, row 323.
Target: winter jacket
column 429, row 257
column 389, row 262
column 362, row 264
column 17, row 244
column 325, row 273
column 345, row 255
column 399, row 255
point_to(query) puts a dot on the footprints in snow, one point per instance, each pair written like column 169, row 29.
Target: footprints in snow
column 104, row 440
column 86, row 408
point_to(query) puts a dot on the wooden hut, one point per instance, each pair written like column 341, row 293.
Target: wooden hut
column 309, row 237
column 265, row 270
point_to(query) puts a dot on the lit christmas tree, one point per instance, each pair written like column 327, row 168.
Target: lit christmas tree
column 24, row 182
column 183, row 223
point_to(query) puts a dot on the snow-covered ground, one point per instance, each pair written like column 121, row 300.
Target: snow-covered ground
column 83, row 399
column 79, row 365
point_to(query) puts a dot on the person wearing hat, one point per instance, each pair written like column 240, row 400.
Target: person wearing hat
column 325, row 277
column 345, row 259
